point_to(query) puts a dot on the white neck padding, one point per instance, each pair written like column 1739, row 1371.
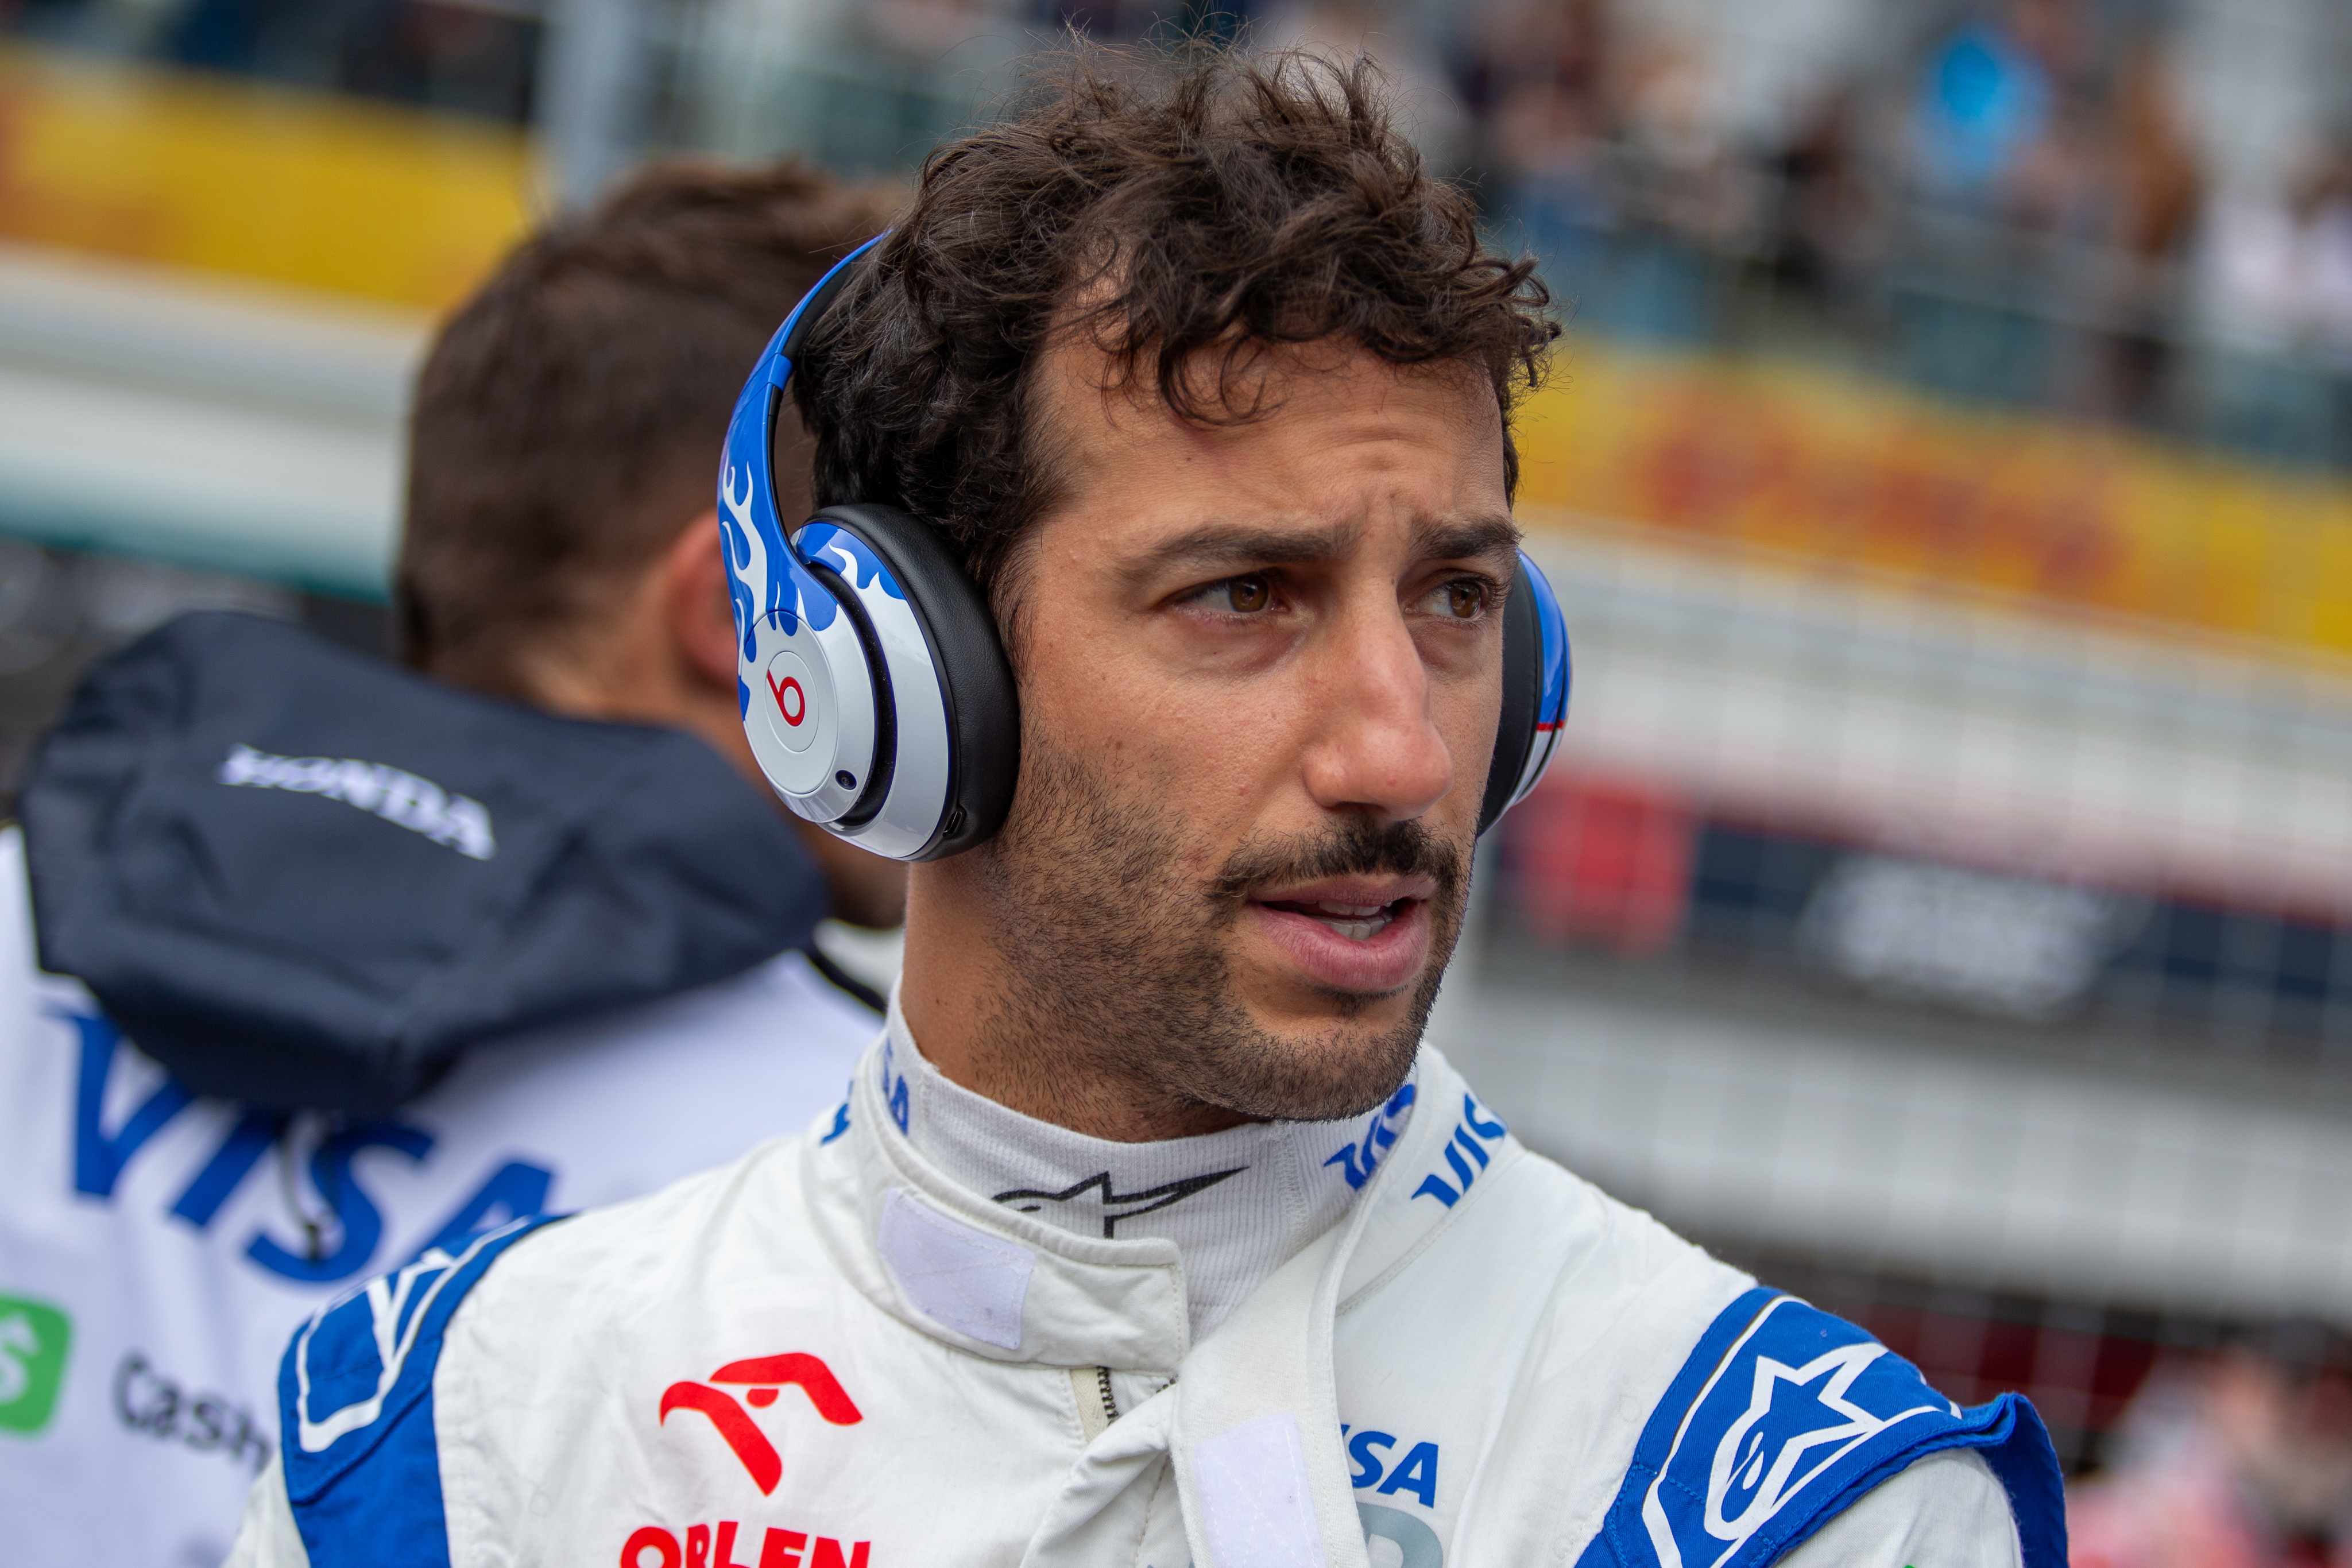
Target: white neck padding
column 1238, row 1204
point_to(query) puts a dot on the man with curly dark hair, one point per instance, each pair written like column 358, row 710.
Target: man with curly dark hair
column 1149, row 1233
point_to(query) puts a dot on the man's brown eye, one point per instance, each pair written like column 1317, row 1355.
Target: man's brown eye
column 1465, row 599
column 1249, row 594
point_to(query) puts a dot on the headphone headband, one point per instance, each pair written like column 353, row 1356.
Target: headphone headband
column 805, row 315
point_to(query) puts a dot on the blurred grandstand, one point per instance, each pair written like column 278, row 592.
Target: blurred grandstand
column 1942, row 903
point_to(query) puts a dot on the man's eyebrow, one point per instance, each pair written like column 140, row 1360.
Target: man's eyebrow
column 1226, row 547
column 1214, row 546
column 1465, row 539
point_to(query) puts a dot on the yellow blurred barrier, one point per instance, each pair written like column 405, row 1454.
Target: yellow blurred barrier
column 1835, row 474
column 275, row 183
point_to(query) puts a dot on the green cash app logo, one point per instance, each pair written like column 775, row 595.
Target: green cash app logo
column 33, row 1342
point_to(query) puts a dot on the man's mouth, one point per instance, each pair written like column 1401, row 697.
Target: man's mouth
column 1362, row 934
column 1356, row 921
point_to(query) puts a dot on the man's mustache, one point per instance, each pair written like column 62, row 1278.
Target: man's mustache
column 1356, row 847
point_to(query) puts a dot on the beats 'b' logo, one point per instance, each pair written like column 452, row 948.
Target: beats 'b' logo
column 797, row 709
column 767, row 1375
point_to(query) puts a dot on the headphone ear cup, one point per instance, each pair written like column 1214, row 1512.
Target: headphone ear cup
column 1535, row 677
column 811, row 726
column 1515, row 729
column 951, row 709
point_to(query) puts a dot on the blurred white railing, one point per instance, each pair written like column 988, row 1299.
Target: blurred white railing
column 1891, row 1140
column 154, row 413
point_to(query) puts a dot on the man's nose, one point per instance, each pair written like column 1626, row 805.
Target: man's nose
column 1375, row 747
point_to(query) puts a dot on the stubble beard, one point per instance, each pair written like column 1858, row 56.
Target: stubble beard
column 1115, row 985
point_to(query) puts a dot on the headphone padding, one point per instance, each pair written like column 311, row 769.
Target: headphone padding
column 984, row 707
column 1515, row 730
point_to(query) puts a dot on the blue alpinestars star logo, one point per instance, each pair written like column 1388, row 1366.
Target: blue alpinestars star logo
column 1793, row 1411
column 1082, row 1203
column 1781, row 1418
column 1801, row 1419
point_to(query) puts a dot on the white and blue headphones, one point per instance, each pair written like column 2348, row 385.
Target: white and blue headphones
column 871, row 682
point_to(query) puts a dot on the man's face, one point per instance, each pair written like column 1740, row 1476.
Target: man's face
column 1260, row 678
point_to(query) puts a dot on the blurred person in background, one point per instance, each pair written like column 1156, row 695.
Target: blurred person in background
column 1396, row 38
column 1546, row 79
column 1988, row 105
column 2275, row 267
column 1609, row 147
column 1825, row 215
column 1685, row 195
column 2272, row 280
column 473, row 60
column 1545, row 73
column 2151, row 191
column 339, row 962
column 2239, row 1461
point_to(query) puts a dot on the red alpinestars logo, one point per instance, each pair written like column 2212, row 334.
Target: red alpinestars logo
column 767, row 1375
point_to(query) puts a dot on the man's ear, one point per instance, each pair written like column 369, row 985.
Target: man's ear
column 701, row 615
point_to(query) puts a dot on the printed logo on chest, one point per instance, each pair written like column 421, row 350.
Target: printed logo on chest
column 715, row 1546
column 1390, row 1466
column 761, row 1381
column 763, row 1378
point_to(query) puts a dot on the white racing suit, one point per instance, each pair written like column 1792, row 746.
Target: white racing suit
column 831, row 1355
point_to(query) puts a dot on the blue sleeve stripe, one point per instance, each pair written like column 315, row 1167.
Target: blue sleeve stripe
column 386, row 1511
column 2026, row 1462
column 355, row 1412
column 1781, row 1416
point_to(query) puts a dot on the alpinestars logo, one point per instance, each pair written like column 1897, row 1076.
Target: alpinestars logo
column 766, row 1376
column 1083, row 1203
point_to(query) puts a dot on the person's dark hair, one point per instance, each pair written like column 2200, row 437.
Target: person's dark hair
column 568, row 419
column 1187, row 210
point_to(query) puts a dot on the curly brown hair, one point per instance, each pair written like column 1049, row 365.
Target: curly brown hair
column 1187, row 210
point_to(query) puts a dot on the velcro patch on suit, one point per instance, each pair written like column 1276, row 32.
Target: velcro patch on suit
column 959, row 1277
column 1258, row 1506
